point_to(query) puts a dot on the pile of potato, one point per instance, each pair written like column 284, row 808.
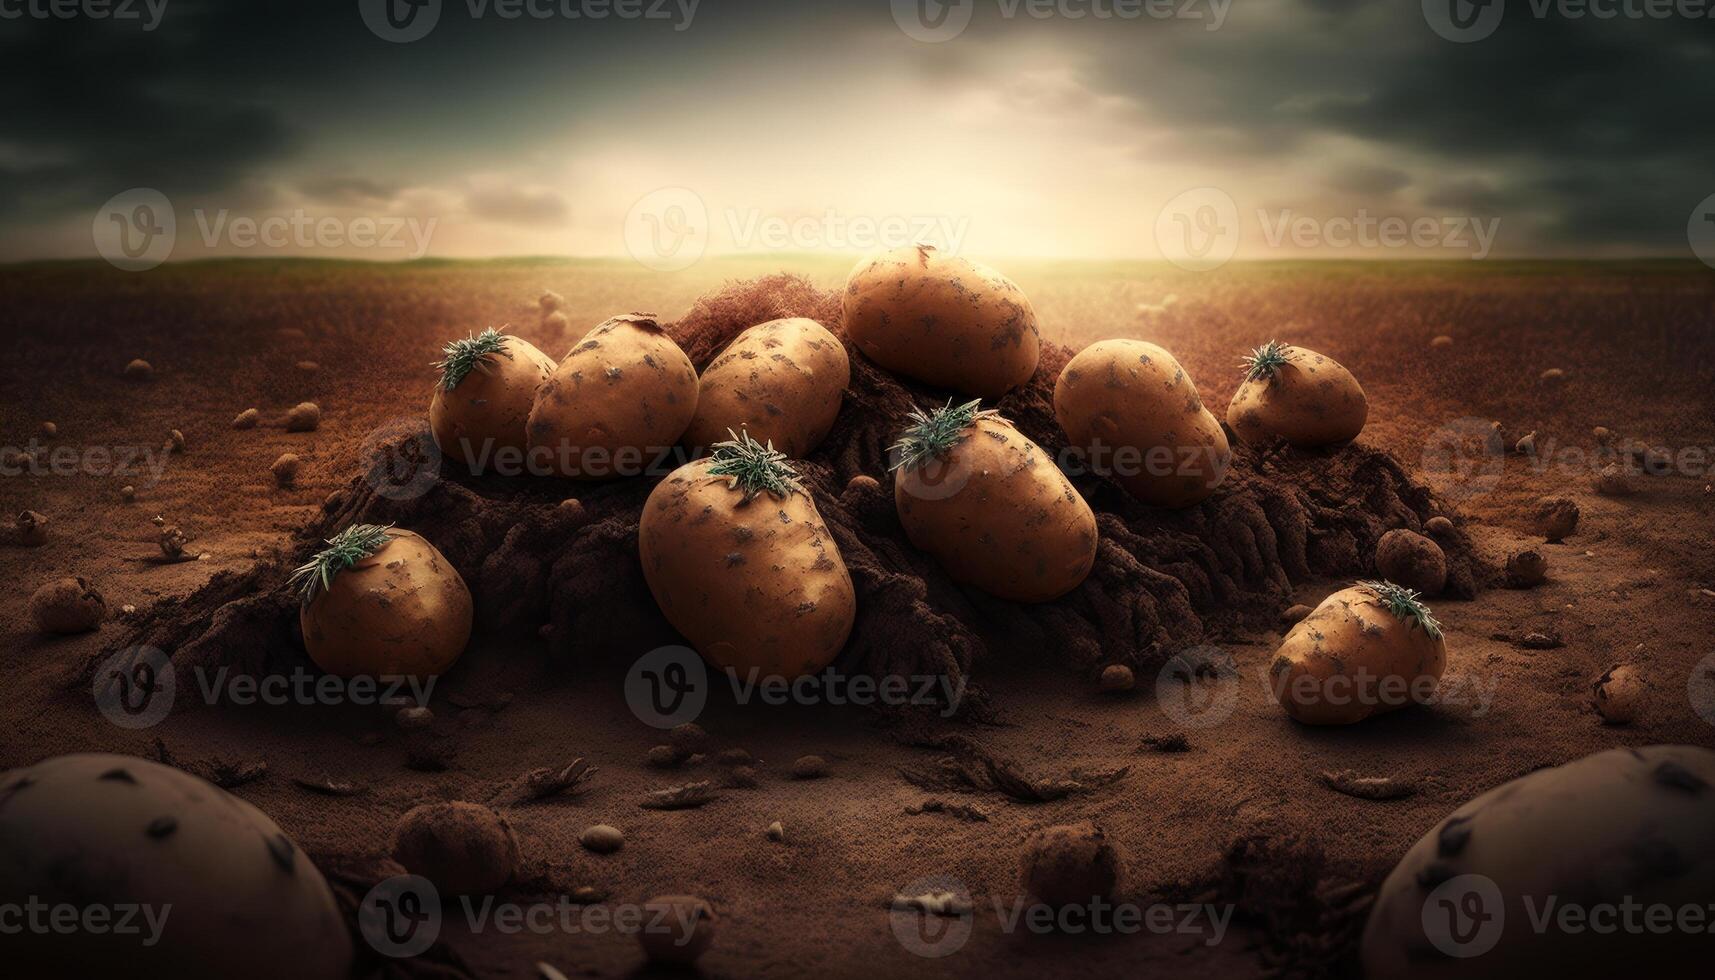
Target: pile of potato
column 734, row 551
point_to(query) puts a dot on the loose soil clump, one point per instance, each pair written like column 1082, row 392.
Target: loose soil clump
column 1163, row 580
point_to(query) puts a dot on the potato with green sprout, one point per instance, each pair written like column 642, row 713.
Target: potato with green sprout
column 382, row 602
column 483, row 397
column 990, row 505
column 1305, row 399
column 208, row 885
column 742, row 564
column 1363, row 651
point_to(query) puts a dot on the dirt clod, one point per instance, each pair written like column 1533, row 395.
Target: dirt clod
column 30, row 529
column 809, row 767
column 304, row 417
column 246, row 419
column 1525, row 568
column 1070, row 864
column 1555, row 518
column 139, row 370
column 67, row 605
column 285, row 470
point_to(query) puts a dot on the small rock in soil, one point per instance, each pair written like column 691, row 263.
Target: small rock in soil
column 247, row 419
column 139, row 370
column 1294, row 613
column 1118, row 678
column 663, row 757
column 809, row 767
column 602, row 839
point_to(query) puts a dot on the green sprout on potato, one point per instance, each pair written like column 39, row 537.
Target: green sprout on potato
column 461, row 357
column 343, row 551
column 753, row 467
column 932, row 434
column 1404, row 604
column 1264, row 361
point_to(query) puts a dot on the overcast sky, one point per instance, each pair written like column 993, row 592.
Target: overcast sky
column 836, row 124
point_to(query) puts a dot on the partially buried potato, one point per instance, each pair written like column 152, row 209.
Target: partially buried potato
column 943, row 320
column 619, row 400
column 781, row 381
column 67, row 605
column 1299, row 396
column 482, row 401
column 1364, row 651
column 742, row 564
column 213, row 887
column 382, row 602
column 990, row 505
column 1136, row 417
column 1602, row 867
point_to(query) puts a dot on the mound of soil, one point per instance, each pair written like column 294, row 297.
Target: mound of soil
column 1163, row 580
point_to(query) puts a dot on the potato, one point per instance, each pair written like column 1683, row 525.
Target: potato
column 483, row 399
column 943, row 320
column 1364, row 651
column 782, row 381
column 461, row 848
column 1136, row 417
column 110, row 832
column 1612, row 840
column 990, row 505
column 741, row 563
column 1071, row 864
column 1298, row 396
column 1412, row 560
column 382, row 602
column 67, row 605
column 621, row 398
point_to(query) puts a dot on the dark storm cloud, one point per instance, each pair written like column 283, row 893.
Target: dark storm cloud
column 1602, row 127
